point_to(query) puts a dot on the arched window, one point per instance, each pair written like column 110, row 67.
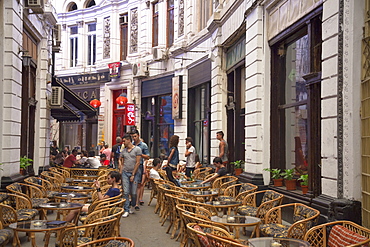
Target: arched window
column 71, row 7
column 90, row 3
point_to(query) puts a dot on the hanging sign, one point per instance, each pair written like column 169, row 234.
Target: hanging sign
column 115, row 69
column 130, row 114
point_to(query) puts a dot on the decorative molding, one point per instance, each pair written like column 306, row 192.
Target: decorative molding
column 134, row 31
column 106, row 38
column 181, row 18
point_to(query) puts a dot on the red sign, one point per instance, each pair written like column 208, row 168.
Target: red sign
column 130, row 114
column 115, row 69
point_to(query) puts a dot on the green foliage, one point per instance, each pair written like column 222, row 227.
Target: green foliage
column 288, row 174
column 275, row 172
column 238, row 163
column 1, row 169
column 304, row 179
column 24, row 162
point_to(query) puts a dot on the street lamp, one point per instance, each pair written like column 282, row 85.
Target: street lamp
column 26, row 59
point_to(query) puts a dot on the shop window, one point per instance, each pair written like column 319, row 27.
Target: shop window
column 91, row 44
column 124, row 35
column 295, row 100
column 73, row 39
column 170, row 22
column 155, row 24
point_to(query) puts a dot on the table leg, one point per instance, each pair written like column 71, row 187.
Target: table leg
column 33, row 239
column 16, row 239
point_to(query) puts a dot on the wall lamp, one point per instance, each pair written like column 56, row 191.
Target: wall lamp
column 26, row 58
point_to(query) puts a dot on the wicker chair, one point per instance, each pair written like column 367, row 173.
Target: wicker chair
column 219, row 241
column 69, row 236
column 99, row 204
column 197, row 232
column 304, row 217
column 202, row 172
column 319, row 236
column 19, row 211
column 237, row 192
column 221, row 183
column 5, row 235
column 44, row 185
column 250, row 206
column 110, row 242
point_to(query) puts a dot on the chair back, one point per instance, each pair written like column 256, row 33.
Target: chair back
column 197, row 232
column 8, row 215
column 219, row 241
column 110, row 242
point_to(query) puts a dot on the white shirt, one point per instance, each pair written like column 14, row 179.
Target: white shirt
column 154, row 174
column 94, row 162
column 190, row 159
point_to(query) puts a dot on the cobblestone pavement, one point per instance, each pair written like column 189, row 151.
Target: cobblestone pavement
column 143, row 227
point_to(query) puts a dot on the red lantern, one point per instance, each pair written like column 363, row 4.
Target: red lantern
column 121, row 100
column 95, row 103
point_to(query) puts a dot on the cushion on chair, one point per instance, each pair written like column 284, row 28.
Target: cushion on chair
column 5, row 236
column 301, row 213
column 26, row 214
column 341, row 236
column 116, row 243
column 226, row 198
column 82, row 240
column 202, row 239
column 247, row 210
column 245, row 187
column 37, row 201
column 51, row 194
column 269, row 195
column 3, row 197
column 274, row 230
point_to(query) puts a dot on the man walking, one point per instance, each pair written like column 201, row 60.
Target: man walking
column 128, row 166
column 140, row 174
column 190, row 157
column 223, row 148
column 116, row 151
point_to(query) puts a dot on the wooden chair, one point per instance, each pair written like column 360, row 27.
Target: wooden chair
column 304, row 217
column 5, row 235
column 221, row 183
column 201, row 173
column 69, row 236
column 44, row 185
column 319, row 236
column 251, row 207
column 237, row 192
column 110, row 242
column 100, row 204
column 219, row 241
column 197, row 232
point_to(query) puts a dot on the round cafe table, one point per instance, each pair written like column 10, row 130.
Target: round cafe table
column 34, row 226
column 61, row 207
column 203, row 195
column 81, row 197
column 234, row 222
column 195, row 186
column 83, row 189
column 277, row 242
column 226, row 206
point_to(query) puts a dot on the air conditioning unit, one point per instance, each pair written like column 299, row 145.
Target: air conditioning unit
column 37, row 6
column 140, row 69
column 158, row 53
column 57, row 97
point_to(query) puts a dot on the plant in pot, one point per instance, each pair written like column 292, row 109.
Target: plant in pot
column 238, row 166
column 24, row 162
column 288, row 175
column 304, row 183
column 276, row 176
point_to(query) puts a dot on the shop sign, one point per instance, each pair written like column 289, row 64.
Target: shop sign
column 235, row 54
column 177, row 97
column 102, row 77
column 130, row 114
column 100, row 128
column 115, row 69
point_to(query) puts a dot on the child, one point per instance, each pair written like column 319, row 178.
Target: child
column 103, row 160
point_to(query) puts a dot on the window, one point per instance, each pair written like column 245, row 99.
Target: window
column 205, row 10
column 295, row 100
column 124, row 35
column 155, row 24
column 90, row 4
column 73, row 46
column 71, row 7
column 91, row 44
column 170, row 22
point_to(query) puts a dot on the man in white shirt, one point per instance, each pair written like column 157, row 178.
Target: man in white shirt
column 190, row 157
column 153, row 173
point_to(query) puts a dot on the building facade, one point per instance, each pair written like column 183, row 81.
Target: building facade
column 280, row 78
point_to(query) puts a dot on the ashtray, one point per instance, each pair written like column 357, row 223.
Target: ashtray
column 38, row 223
column 80, row 187
column 63, row 205
column 216, row 203
column 230, row 219
column 198, row 193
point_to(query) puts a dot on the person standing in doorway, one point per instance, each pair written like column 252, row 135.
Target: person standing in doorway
column 223, row 148
column 173, row 159
column 141, row 175
column 128, row 166
column 116, row 150
column 190, row 157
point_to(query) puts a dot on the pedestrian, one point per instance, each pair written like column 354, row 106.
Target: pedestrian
column 129, row 163
column 154, row 171
column 173, row 159
column 217, row 162
column 103, row 160
column 141, row 173
column 116, row 150
column 223, row 148
column 190, row 157
column 107, row 151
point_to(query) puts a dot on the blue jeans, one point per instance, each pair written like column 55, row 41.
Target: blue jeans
column 129, row 188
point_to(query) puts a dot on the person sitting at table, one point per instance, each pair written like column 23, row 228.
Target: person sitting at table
column 92, row 161
column 113, row 179
column 217, row 162
column 71, row 160
column 103, row 160
column 153, row 173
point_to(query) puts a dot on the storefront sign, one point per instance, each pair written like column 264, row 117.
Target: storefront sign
column 235, row 54
column 177, row 97
column 115, row 69
column 87, row 93
column 100, row 128
column 102, row 77
column 130, row 114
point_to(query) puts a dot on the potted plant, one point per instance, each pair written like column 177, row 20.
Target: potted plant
column 238, row 166
column 24, row 162
column 290, row 183
column 276, row 176
column 304, row 183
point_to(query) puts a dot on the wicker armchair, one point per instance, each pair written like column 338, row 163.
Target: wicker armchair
column 69, row 236
column 202, row 172
column 197, row 232
column 44, row 185
column 237, row 192
column 347, row 231
column 250, row 206
column 18, row 210
column 110, row 242
column 5, row 235
column 221, row 183
column 219, row 241
column 304, row 217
